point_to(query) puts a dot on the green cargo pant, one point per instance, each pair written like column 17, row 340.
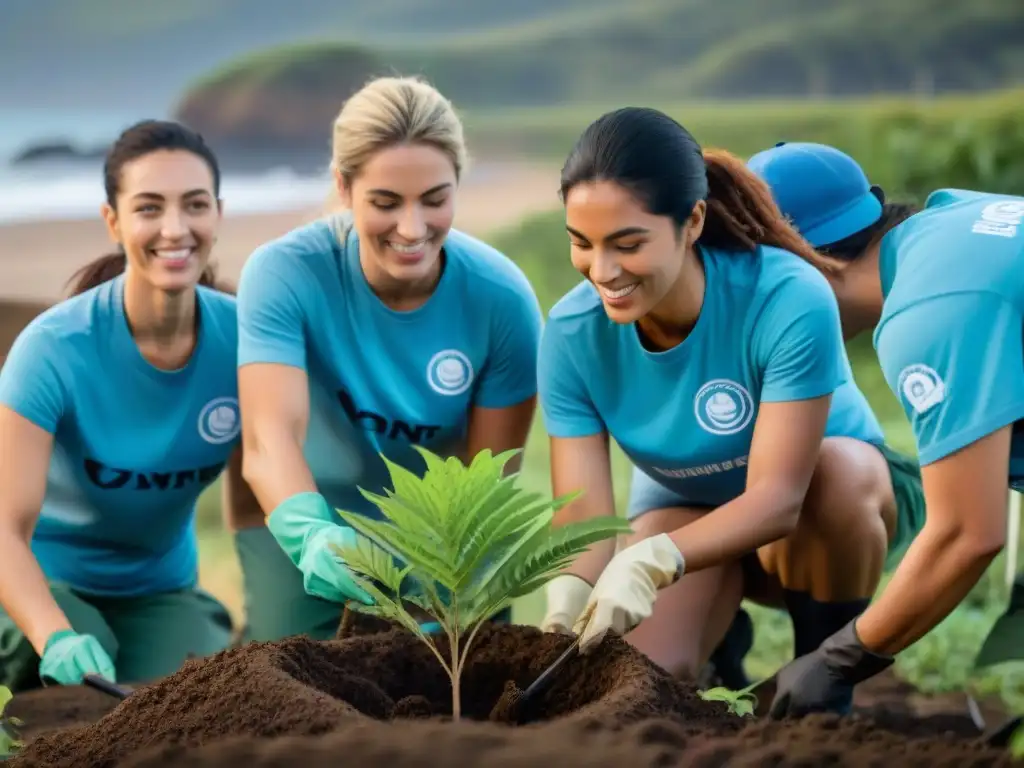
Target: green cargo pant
column 906, row 485
column 147, row 637
column 276, row 602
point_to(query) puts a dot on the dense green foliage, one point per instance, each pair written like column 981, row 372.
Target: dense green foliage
column 908, row 147
column 672, row 49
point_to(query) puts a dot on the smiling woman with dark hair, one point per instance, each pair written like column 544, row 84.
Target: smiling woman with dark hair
column 706, row 343
column 117, row 409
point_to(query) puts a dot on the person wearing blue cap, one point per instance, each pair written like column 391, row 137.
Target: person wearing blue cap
column 703, row 342
column 368, row 333
column 943, row 289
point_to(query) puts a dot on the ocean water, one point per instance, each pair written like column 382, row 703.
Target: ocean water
column 73, row 189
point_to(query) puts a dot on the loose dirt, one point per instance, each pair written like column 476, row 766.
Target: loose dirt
column 382, row 696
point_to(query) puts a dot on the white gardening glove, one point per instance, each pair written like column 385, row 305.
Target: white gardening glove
column 624, row 595
column 567, row 597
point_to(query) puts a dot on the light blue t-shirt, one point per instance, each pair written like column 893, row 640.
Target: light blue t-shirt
column 381, row 380
column 134, row 445
column 768, row 331
column 950, row 340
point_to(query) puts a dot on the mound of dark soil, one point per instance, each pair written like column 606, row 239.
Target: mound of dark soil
column 304, row 687
column 655, row 743
column 381, row 696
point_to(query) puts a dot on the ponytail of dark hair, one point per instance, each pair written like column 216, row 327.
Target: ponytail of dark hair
column 110, row 265
column 661, row 163
column 742, row 213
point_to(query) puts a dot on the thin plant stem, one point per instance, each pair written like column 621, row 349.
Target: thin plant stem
column 456, row 665
column 346, row 622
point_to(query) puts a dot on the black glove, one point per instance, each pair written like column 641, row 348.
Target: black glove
column 823, row 680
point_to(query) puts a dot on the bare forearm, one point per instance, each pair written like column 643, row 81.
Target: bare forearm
column 747, row 523
column 276, row 470
column 937, row 572
column 25, row 593
column 240, row 509
column 591, row 564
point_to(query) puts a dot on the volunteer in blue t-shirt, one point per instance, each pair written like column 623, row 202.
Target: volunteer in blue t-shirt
column 367, row 333
column 117, row 409
column 944, row 291
column 707, row 345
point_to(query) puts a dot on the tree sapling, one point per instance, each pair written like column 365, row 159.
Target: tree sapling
column 471, row 542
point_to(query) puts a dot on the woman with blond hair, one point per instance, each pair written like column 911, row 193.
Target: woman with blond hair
column 366, row 333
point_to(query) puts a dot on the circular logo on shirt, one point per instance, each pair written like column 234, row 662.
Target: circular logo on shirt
column 219, row 420
column 449, row 372
column 921, row 386
column 723, row 407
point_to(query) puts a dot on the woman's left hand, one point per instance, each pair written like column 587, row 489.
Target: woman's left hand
column 818, row 680
column 624, row 594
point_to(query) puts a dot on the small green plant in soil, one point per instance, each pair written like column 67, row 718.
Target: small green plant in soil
column 470, row 541
column 741, row 703
column 10, row 743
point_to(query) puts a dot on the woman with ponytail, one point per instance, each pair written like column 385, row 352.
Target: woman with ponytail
column 706, row 342
column 118, row 408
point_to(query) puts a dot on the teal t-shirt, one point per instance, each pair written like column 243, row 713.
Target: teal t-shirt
column 381, row 380
column 768, row 331
column 950, row 340
column 134, row 445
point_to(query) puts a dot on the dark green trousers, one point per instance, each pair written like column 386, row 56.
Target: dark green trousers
column 147, row 637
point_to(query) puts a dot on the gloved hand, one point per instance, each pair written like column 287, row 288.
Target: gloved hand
column 567, row 597
column 823, row 680
column 624, row 594
column 68, row 657
column 305, row 528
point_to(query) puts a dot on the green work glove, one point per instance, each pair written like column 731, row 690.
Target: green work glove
column 69, row 656
column 306, row 530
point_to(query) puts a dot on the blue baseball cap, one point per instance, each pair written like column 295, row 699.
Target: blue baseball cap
column 823, row 191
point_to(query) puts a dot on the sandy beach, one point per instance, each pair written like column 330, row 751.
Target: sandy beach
column 39, row 257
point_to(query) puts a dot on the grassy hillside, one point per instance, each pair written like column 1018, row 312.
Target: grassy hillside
column 910, row 146
column 697, row 48
column 109, row 54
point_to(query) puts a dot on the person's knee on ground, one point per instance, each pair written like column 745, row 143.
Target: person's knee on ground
column 690, row 617
column 19, row 662
column 276, row 602
column 831, row 565
column 159, row 633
